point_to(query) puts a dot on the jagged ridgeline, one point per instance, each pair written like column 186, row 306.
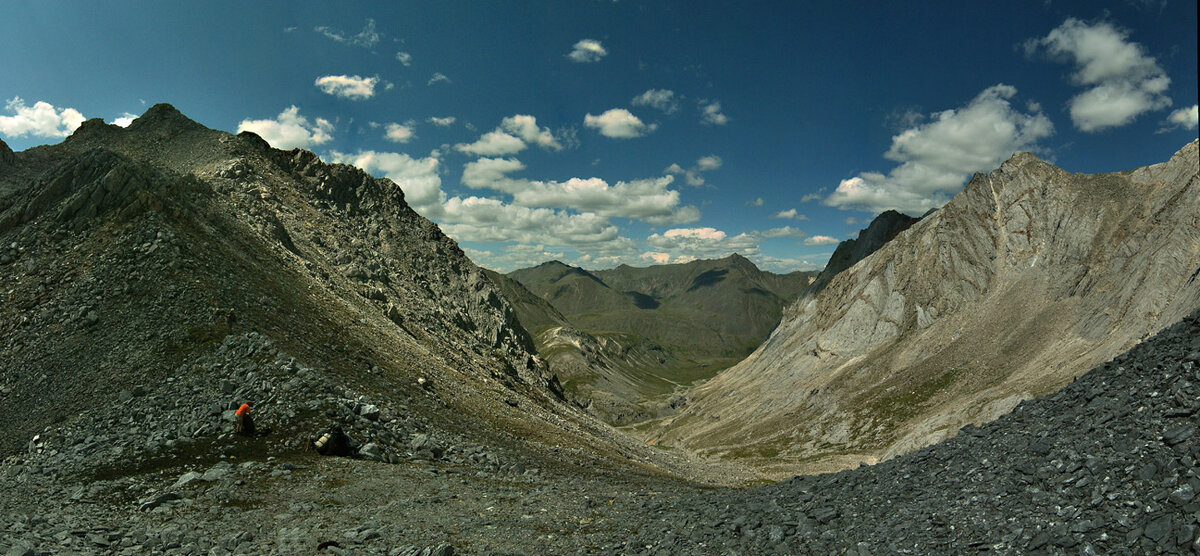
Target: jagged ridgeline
column 1027, row 278
column 129, row 255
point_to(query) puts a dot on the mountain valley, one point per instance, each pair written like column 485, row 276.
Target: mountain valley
column 1019, row 370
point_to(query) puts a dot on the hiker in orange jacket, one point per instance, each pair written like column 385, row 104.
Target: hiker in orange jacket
column 245, row 425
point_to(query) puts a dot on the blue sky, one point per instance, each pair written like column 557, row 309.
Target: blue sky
column 600, row 133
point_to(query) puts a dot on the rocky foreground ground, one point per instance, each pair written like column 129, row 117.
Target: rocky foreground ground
column 1107, row 465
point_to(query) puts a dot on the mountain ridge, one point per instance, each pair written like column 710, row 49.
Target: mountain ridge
column 132, row 253
column 1028, row 277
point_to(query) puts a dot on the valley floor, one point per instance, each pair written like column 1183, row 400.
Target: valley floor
column 1106, row 465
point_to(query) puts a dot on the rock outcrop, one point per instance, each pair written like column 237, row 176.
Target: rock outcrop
column 1028, row 277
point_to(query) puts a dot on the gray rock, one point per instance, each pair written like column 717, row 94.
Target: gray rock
column 1159, row 528
column 369, row 411
column 158, row 500
column 372, row 451
column 187, row 479
column 1183, row 494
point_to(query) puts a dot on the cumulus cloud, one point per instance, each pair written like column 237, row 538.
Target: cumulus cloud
column 40, row 120
column 586, row 51
column 790, row 214
column 526, row 127
column 1122, row 81
column 491, row 220
column 618, row 123
column 821, row 240
column 710, row 113
column 350, row 87
column 417, row 177
column 647, row 199
column 1184, row 118
column 786, row 231
column 438, row 78
column 443, row 122
column 404, row 58
column 493, row 143
column 125, row 119
column 756, row 202
column 656, row 257
column 687, row 244
column 937, row 156
column 400, row 133
column 662, row 99
column 290, row 130
column 710, row 162
column 366, row 38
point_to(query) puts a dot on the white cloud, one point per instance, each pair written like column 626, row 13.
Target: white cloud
column 710, row 162
column 366, row 38
column 658, row 258
column 757, row 202
column 710, row 113
column 443, row 122
column 662, row 99
column 438, row 78
column 646, row 199
column 1123, row 82
column 417, row 177
column 937, row 156
column 820, row 194
column 587, row 50
column 525, row 127
column 790, row 214
column 1184, row 118
column 125, row 119
column 350, row 87
column 687, row 244
column 490, row 173
column 821, row 240
column 40, row 120
column 400, row 133
column 618, row 123
column 786, row 231
column 404, row 58
column 491, row 220
column 290, row 130
column 493, row 143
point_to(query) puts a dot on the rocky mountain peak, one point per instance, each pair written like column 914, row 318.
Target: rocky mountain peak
column 163, row 118
column 1028, row 277
column 169, row 209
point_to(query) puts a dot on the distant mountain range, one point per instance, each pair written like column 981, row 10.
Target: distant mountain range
column 620, row 337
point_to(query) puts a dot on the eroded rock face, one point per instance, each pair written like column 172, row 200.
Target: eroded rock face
column 1027, row 278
